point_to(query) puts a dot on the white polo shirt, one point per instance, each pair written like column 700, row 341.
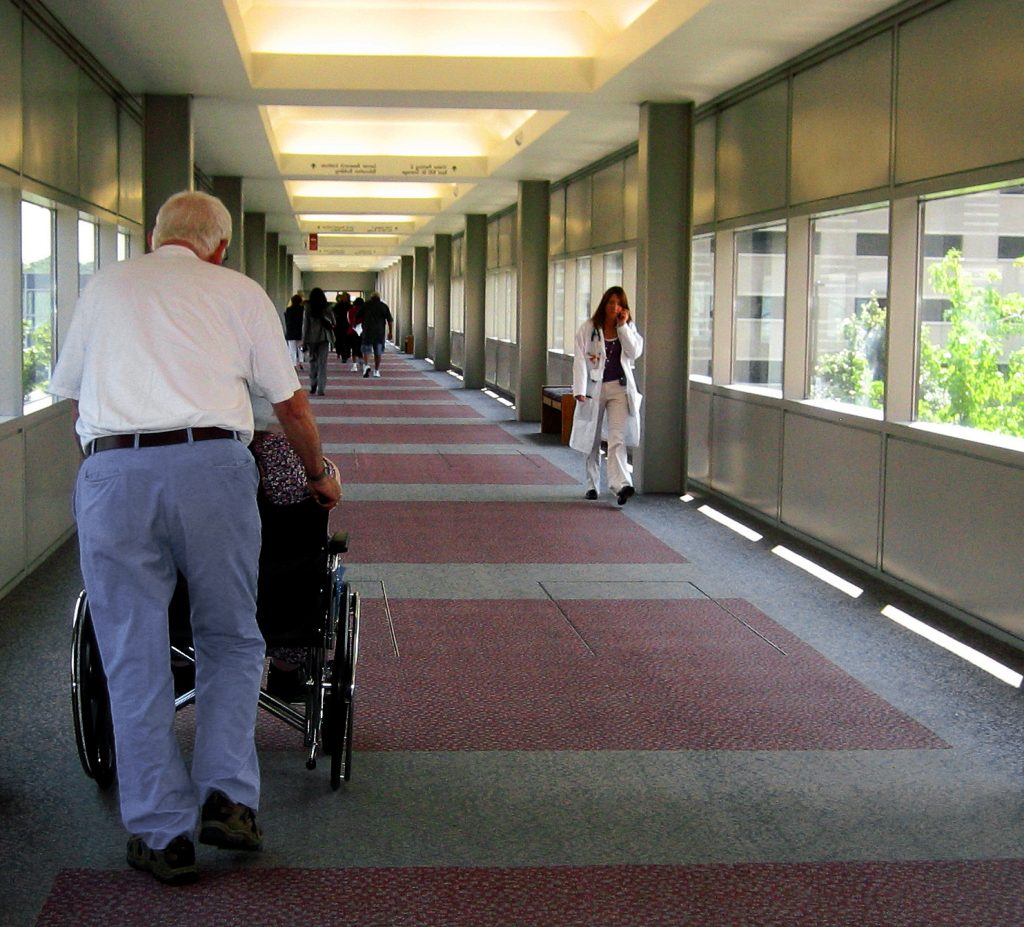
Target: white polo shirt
column 169, row 341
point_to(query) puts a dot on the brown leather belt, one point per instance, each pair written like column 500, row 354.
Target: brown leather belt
column 159, row 438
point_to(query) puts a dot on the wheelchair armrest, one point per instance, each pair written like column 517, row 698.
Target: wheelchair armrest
column 338, row 544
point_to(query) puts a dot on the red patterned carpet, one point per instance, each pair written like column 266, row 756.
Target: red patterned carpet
column 982, row 893
column 415, row 434
column 395, row 410
column 499, row 532
column 481, row 469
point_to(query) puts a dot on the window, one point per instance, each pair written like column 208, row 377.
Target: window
column 124, row 245
column 583, row 309
column 38, row 302
column 458, row 310
column 88, row 250
column 612, row 269
column 759, row 308
column 500, row 306
column 848, row 296
column 558, row 307
column 971, row 361
column 702, row 300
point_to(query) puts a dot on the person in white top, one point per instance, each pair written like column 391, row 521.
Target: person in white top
column 158, row 360
column 607, row 346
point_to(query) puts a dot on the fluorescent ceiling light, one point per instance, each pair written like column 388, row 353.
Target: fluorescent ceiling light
column 817, row 571
column 1003, row 673
column 743, row 530
column 358, row 189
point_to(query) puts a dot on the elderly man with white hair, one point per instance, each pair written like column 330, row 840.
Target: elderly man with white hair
column 159, row 360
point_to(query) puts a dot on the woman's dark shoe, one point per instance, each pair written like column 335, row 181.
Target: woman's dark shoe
column 622, row 496
column 591, row 494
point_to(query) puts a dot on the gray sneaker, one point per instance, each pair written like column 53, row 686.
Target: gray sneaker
column 173, row 865
column 228, row 824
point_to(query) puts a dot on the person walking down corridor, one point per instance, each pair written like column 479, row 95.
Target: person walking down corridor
column 158, row 361
column 317, row 336
column 293, row 330
column 607, row 346
column 376, row 316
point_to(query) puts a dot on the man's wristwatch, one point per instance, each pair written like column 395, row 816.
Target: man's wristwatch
column 322, row 475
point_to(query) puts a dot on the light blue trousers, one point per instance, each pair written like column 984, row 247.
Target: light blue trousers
column 143, row 514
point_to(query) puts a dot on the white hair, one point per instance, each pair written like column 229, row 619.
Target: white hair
column 194, row 217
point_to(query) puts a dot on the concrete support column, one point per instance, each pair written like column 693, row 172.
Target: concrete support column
column 229, row 191
column 284, row 293
column 532, row 228
column 420, row 283
column 273, row 280
column 664, row 232
column 403, row 318
column 169, row 152
column 442, row 302
column 256, row 247
column 474, row 365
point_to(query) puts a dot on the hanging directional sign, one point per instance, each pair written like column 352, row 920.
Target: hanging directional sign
column 384, row 167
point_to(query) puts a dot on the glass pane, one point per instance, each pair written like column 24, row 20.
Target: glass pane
column 38, row 302
column 849, row 300
column 558, row 308
column 124, row 245
column 511, row 314
column 583, row 309
column 613, row 269
column 702, row 301
column 971, row 361
column 759, row 308
column 88, row 241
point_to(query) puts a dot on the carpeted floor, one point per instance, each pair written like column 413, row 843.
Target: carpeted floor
column 568, row 713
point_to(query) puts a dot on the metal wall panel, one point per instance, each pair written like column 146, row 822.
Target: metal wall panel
column 491, row 361
column 578, row 214
column 458, row 351
column 51, row 466
column 746, row 435
column 631, row 197
column 12, row 503
column 608, row 205
column 959, row 88
column 842, row 111
column 129, row 162
column 704, row 143
column 492, row 244
column 10, row 88
column 953, row 527
column 751, row 156
column 698, row 434
column 97, row 145
column 831, row 482
column 556, row 225
column 51, row 113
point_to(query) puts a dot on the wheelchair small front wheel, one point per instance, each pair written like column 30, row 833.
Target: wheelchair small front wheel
column 90, row 701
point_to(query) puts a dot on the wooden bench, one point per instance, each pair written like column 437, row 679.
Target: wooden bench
column 557, row 406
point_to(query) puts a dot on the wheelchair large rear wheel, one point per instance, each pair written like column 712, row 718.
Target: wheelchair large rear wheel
column 339, row 714
column 90, row 702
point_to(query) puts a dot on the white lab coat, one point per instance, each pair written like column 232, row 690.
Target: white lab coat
column 587, row 375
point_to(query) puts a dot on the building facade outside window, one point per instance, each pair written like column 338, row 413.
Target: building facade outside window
column 759, row 306
column 848, row 305
column 702, row 301
column 558, row 307
column 38, row 302
column 612, row 269
column 971, row 345
column 583, row 290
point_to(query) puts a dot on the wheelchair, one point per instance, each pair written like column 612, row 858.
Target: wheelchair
column 302, row 602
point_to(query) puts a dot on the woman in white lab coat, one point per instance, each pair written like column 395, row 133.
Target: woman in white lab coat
column 607, row 346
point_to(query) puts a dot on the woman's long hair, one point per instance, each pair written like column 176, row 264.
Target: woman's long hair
column 317, row 302
column 602, row 307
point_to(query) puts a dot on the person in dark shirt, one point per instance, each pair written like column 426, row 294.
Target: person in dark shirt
column 376, row 317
